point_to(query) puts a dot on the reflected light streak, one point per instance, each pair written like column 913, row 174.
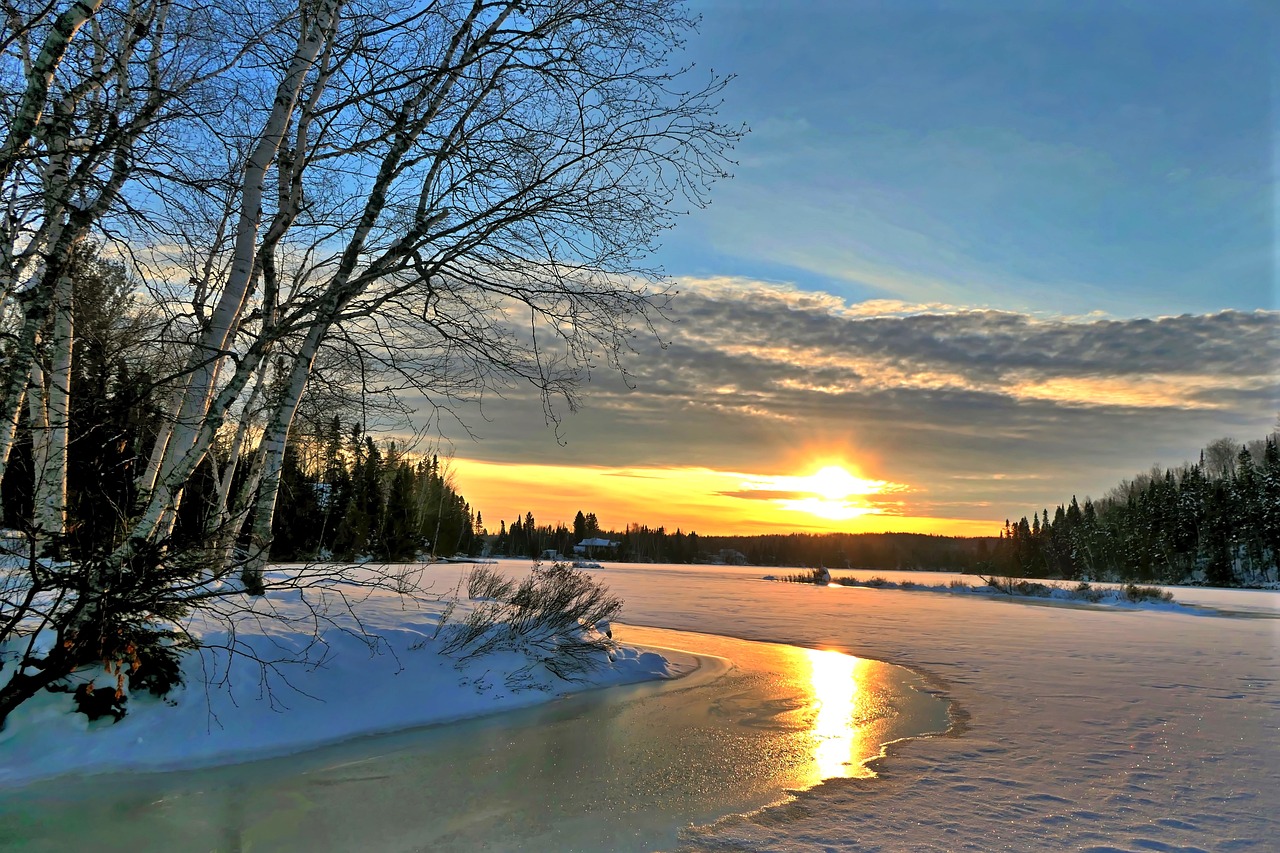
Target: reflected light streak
column 835, row 732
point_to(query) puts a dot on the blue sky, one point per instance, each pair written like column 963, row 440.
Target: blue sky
column 1051, row 157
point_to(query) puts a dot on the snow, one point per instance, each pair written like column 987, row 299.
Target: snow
column 1083, row 728
column 351, row 683
column 1097, row 728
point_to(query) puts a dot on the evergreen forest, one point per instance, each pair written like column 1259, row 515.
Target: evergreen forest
column 344, row 496
column 1215, row 521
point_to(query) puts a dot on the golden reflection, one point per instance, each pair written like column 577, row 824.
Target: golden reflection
column 834, row 678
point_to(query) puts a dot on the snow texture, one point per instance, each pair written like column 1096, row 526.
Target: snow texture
column 259, row 703
column 1077, row 728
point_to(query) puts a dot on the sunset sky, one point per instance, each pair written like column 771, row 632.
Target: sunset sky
column 976, row 258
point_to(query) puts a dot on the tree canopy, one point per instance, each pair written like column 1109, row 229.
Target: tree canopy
column 390, row 199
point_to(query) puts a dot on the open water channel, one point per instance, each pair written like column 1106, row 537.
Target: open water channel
column 616, row 769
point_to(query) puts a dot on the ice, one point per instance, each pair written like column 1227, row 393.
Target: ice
column 1098, row 728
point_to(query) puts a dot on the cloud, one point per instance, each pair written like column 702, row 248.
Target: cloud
column 822, row 344
column 980, row 412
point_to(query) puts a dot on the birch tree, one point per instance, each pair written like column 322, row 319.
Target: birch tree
column 100, row 98
column 462, row 192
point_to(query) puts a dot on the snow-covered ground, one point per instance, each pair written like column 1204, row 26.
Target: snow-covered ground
column 1086, row 729
column 385, row 677
column 1098, row 729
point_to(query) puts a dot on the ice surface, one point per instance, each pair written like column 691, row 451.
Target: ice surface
column 1087, row 729
column 621, row 769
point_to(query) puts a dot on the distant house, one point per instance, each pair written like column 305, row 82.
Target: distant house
column 588, row 547
column 730, row 557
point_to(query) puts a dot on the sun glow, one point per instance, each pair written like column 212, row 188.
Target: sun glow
column 835, row 510
column 831, row 483
column 834, row 483
column 701, row 499
column 830, row 492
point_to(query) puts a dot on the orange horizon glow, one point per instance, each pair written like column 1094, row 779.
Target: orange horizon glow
column 710, row 502
column 833, row 493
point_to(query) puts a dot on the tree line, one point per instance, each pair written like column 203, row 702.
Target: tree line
column 640, row 543
column 344, row 497
column 1215, row 521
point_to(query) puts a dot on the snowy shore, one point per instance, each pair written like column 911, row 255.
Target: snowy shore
column 1099, row 729
column 285, row 692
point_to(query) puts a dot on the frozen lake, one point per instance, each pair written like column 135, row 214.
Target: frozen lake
column 617, row 769
column 1091, row 729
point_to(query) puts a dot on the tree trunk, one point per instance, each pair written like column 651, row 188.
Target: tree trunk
column 209, row 351
column 271, row 453
column 38, row 419
column 51, row 487
column 22, row 687
column 39, row 76
column 197, row 416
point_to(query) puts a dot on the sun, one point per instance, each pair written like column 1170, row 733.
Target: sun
column 834, row 483
column 832, row 510
column 831, row 493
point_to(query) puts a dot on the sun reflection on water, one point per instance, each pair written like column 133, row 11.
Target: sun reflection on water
column 834, row 678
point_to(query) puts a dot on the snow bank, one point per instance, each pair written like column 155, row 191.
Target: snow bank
column 291, row 686
column 1084, row 729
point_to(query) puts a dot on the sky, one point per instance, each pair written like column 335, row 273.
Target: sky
column 975, row 258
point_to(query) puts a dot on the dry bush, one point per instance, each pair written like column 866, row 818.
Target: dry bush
column 552, row 617
column 1137, row 594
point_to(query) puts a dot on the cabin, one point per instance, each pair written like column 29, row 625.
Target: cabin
column 589, row 547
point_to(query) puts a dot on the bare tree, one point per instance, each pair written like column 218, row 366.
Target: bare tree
column 1220, row 458
column 102, row 91
column 456, row 194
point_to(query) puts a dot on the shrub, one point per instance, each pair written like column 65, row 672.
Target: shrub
column 819, row 576
column 1004, row 585
column 876, row 582
column 1014, row 586
column 553, row 616
column 102, row 702
column 485, row 583
column 1033, row 589
column 1085, row 592
column 956, row 583
column 907, row 585
column 1133, row 592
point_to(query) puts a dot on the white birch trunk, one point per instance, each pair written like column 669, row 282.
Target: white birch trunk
column 193, row 425
column 271, row 456
column 20, row 362
column 209, row 351
column 219, row 527
column 39, row 76
column 38, row 418
column 146, row 481
column 51, row 486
